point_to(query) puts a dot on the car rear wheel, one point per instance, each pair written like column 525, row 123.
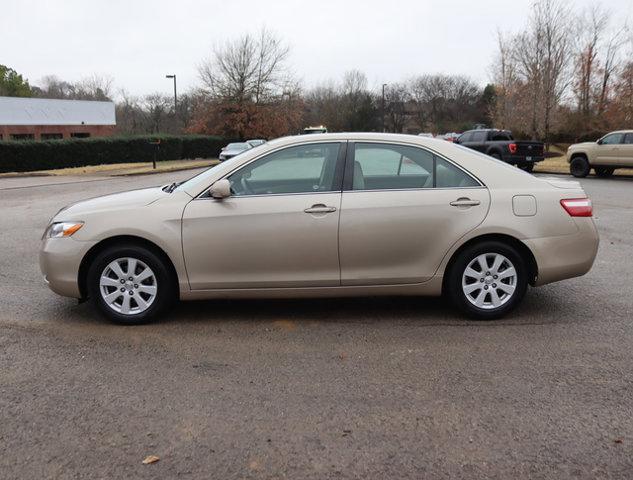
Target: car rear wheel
column 604, row 171
column 130, row 285
column 579, row 167
column 487, row 280
column 527, row 167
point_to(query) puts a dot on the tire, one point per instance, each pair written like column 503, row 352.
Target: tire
column 141, row 300
column 579, row 167
column 496, row 156
column 604, row 171
column 474, row 293
column 528, row 167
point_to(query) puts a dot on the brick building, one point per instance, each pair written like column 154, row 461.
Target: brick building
column 49, row 119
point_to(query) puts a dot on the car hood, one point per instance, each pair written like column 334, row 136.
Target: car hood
column 132, row 198
column 581, row 145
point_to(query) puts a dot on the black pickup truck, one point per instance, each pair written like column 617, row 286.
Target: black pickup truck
column 501, row 145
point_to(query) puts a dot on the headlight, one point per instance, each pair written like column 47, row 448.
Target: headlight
column 63, row 229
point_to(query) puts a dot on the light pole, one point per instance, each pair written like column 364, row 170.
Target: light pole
column 383, row 107
column 175, row 95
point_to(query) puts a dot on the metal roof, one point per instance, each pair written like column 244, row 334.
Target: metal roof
column 45, row 111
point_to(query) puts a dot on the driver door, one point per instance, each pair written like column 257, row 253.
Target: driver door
column 609, row 150
column 279, row 227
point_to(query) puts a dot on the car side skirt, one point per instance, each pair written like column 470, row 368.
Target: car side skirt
column 433, row 287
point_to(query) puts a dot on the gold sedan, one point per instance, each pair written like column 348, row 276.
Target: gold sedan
column 321, row 216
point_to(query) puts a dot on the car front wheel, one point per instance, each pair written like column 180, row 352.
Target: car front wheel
column 579, row 167
column 129, row 284
column 487, row 280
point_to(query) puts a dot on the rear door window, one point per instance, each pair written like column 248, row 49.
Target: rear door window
column 379, row 166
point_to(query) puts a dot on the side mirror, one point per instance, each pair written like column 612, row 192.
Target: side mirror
column 220, row 189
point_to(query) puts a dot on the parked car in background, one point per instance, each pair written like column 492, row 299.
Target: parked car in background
column 256, row 142
column 323, row 216
column 233, row 149
column 500, row 144
column 311, row 130
column 426, row 134
column 613, row 151
column 451, row 136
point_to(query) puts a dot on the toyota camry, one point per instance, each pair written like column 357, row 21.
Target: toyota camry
column 321, row 216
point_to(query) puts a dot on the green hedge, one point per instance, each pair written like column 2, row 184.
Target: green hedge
column 25, row 156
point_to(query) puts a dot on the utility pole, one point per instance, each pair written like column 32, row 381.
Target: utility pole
column 383, row 107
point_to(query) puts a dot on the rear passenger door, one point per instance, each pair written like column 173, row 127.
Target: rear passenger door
column 627, row 150
column 403, row 207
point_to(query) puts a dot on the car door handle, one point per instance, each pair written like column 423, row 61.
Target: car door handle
column 320, row 208
column 465, row 202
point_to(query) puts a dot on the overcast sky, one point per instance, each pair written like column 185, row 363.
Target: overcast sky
column 138, row 41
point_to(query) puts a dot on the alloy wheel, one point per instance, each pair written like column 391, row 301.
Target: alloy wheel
column 489, row 281
column 128, row 286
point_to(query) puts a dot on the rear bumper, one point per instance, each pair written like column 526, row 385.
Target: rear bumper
column 522, row 160
column 60, row 259
column 566, row 256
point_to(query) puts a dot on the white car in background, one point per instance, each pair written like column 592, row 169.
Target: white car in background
column 233, row 149
column 256, row 142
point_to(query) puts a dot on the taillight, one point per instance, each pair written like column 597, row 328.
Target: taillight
column 513, row 148
column 577, row 207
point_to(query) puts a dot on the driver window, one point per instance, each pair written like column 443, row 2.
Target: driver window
column 613, row 139
column 301, row 169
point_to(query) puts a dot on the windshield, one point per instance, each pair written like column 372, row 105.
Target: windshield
column 202, row 177
column 236, row 146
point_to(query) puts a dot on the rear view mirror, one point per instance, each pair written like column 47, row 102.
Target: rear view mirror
column 220, row 189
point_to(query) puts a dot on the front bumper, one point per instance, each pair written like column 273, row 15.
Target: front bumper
column 565, row 256
column 60, row 259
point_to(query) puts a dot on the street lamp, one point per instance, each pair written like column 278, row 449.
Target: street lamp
column 383, row 107
column 175, row 95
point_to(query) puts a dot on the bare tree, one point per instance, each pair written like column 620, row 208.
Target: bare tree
column 610, row 65
column 396, row 98
column 246, row 69
column 444, row 102
column 590, row 27
column 157, row 107
column 93, row 87
column 542, row 54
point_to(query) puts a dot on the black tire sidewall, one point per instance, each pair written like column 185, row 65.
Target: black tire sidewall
column 579, row 167
column 164, row 291
column 454, row 283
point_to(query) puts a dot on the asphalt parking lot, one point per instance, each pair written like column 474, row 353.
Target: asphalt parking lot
column 346, row 388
